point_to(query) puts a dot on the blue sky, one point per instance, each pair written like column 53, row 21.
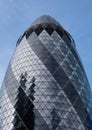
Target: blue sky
column 74, row 16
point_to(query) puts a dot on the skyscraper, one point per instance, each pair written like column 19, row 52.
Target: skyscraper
column 45, row 86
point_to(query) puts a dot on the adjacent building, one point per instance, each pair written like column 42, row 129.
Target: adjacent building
column 45, row 86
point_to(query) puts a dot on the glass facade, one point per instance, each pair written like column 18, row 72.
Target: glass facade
column 45, row 86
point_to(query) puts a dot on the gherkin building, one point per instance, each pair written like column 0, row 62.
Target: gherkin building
column 45, row 86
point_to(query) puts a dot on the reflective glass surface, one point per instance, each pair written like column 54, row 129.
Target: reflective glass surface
column 45, row 86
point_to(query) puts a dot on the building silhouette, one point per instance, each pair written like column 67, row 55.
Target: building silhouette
column 45, row 86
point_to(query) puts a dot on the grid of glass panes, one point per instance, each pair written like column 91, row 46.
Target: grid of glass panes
column 50, row 100
column 47, row 91
column 59, row 49
column 7, row 111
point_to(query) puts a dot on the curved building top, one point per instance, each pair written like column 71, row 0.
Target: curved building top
column 47, row 21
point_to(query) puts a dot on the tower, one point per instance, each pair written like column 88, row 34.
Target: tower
column 45, row 86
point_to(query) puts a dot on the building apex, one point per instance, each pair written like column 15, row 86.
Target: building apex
column 45, row 19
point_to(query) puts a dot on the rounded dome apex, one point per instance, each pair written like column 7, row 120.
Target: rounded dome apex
column 45, row 19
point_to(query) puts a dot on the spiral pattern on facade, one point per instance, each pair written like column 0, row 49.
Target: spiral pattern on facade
column 45, row 86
